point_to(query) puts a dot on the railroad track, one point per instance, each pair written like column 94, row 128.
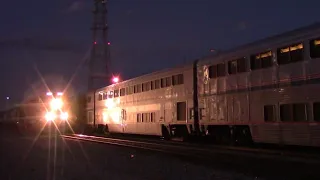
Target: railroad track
column 200, row 151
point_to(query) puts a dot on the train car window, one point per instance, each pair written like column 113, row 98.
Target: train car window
column 316, row 111
column 191, row 113
column 148, row 86
column 300, row 112
column 135, row 87
column 138, row 117
column 122, row 92
column 283, row 56
column 213, row 71
column 315, row 48
column 99, row 97
column 147, row 117
column 144, row 87
column 266, row 59
column 177, row 79
column 255, row 62
column 131, row 90
column 261, row 60
column 168, row 81
column 157, row 84
column 181, row 111
column 144, row 117
column 110, row 94
column 232, row 67
column 296, row 53
column 139, row 88
column 116, row 93
column 105, row 96
column 221, row 70
column 269, row 113
column 241, row 65
column 286, row 112
column 153, row 117
column 163, row 82
column 152, row 85
column 290, row 54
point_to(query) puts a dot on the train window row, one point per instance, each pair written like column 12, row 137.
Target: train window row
column 144, row 87
column 146, row 117
column 297, row 112
column 285, row 55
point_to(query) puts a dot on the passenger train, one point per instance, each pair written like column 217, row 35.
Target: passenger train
column 265, row 92
column 34, row 114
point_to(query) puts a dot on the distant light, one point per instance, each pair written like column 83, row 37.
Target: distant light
column 7, row 97
column 95, row 42
column 49, row 93
column 109, row 43
column 115, row 79
column 59, row 93
column 212, row 50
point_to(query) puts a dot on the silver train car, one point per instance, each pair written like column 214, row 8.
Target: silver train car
column 267, row 91
column 264, row 92
column 153, row 104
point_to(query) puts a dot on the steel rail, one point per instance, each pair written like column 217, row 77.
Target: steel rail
column 199, row 152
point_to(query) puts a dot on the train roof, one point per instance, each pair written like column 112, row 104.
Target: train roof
column 152, row 74
column 267, row 43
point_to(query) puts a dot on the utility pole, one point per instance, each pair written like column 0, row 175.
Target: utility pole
column 99, row 72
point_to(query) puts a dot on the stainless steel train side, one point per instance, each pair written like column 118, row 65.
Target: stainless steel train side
column 154, row 104
column 267, row 91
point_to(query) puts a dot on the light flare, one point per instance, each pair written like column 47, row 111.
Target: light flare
column 50, row 116
column 64, row 116
column 56, row 104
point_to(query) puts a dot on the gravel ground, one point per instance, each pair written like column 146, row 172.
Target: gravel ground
column 52, row 158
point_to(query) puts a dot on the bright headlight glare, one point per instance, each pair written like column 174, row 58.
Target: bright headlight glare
column 56, row 104
column 50, row 116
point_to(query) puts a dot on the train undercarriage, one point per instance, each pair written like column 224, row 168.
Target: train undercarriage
column 218, row 134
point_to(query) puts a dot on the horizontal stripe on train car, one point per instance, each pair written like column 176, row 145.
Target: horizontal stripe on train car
column 229, row 123
column 268, row 87
column 262, row 123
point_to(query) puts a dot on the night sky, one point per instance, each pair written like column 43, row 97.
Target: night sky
column 54, row 37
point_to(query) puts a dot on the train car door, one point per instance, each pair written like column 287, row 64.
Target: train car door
column 162, row 114
column 123, row 120
column 182, row 111
column 168, row 112
column 90, row 117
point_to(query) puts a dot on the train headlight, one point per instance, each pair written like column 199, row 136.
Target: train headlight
column 56, row 104
column 50, row 116
column 64, row 116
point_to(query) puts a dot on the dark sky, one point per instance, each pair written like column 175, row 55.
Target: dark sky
column 146, row 35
